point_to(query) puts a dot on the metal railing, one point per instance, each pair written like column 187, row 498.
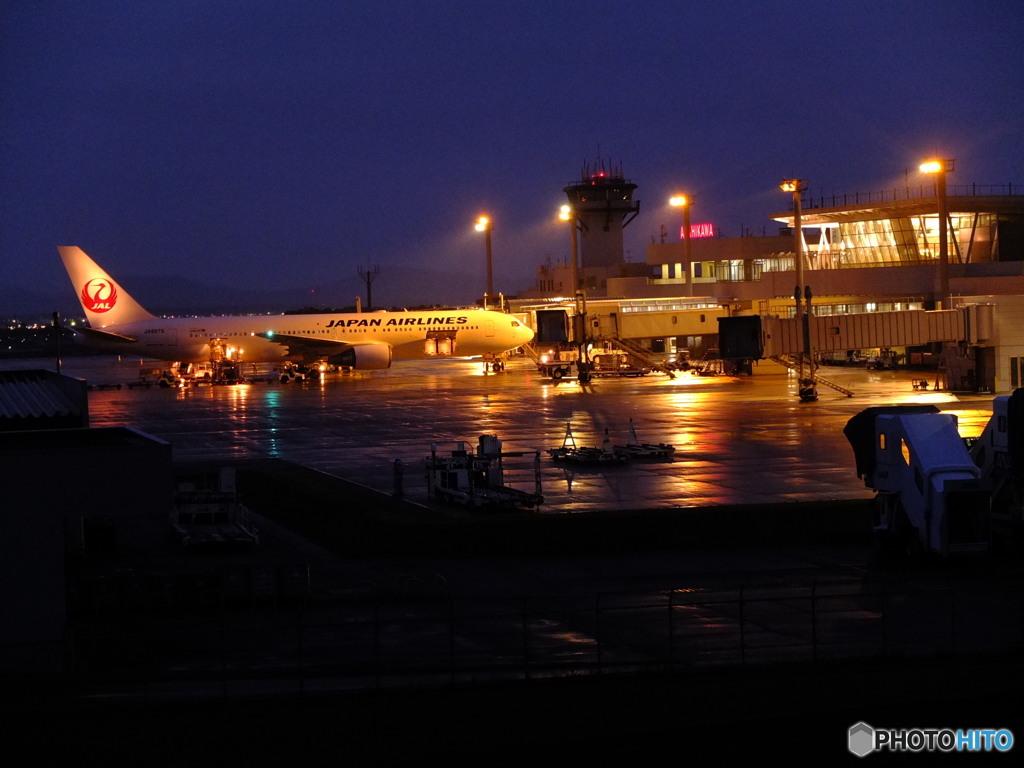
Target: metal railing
column 229, row 648
column 908, row 193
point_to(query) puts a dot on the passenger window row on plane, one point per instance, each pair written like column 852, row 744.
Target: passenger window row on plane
column 326, row 332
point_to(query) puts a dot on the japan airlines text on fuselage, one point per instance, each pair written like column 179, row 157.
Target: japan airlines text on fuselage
column 262, row 339
column 368, row 340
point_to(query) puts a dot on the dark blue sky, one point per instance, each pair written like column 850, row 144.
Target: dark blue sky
column 286, row 144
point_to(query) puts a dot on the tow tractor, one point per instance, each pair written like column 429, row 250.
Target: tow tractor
column 557, row 363
column 181, row 375
column 295, row 372
column 937, row 492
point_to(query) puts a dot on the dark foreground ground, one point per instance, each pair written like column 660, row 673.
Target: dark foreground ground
column 790, row 711
column 801, row 712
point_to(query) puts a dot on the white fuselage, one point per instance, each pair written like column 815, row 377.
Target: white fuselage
column 368, row 340
column 411, row 335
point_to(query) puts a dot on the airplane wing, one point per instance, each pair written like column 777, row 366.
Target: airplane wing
column 98, row 335
column 305, row 346
column 367, row 355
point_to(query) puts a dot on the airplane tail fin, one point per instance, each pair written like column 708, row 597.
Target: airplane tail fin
column 104, row 302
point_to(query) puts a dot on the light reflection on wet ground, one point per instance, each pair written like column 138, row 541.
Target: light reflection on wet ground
column 738, row 440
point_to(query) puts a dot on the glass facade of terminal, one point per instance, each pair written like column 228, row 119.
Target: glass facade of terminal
column 909, row 240
column 883, row 242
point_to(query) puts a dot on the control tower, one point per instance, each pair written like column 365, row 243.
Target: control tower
column 603, row 204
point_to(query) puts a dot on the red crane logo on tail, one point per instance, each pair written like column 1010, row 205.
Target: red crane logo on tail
column 99, row 295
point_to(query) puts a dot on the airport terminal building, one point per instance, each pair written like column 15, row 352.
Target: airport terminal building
column 949, row 257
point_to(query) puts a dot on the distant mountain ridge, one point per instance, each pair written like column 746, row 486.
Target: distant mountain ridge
column 174, row 295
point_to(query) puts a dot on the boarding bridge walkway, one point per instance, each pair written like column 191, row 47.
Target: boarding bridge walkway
column 760, row 337
column 754, row 337
column 767, row 335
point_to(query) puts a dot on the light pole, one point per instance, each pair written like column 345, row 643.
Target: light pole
column 941, row 167
column 806, row 385
column 485, row 225
column 566, row 213
column 684, row 202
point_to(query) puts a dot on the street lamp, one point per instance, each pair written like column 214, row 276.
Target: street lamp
column 941, row 167
column 566, row 213
column 796, row 186
column 485, row 225
column 807, row 388
column 684, row 202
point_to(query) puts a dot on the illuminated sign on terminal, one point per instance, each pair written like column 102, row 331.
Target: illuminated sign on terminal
column 706, row 229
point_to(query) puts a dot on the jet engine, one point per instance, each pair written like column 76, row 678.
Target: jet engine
column 364, row 357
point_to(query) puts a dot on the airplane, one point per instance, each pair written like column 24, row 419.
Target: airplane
column 359, row 340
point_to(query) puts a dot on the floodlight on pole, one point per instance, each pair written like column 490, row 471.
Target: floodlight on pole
column 485, row 225
column 941, row 168
column 566, row 213
column 796, row 187
column 806, row 385
column 684, row 202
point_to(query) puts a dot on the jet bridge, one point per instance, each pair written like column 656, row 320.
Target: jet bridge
column 767, row 336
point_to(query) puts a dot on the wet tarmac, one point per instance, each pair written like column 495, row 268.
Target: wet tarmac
column 738, row 440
